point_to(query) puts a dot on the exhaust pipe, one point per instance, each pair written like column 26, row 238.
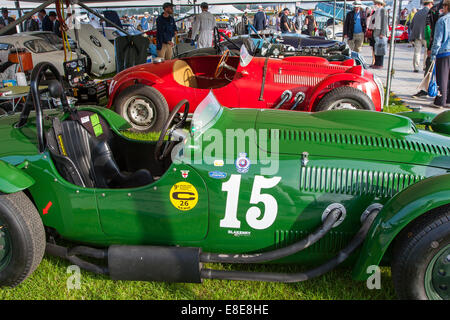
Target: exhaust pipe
column 285, row 96
column 299, row 98
column 184, row 264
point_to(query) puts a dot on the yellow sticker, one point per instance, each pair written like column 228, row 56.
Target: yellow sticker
column 183, row 196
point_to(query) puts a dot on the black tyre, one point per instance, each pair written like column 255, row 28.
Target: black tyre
column 22, row 238
column 3, row 112
column 421, row 258
column 345, row 98
column 143, row 107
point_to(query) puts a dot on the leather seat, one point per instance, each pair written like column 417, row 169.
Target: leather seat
column 88, row 161
column 183, row 74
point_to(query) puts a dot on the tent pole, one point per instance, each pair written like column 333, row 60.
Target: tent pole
column 334, row 19
column 17, row 3
column 23, row 18
column 391, row 55
column 344, row 16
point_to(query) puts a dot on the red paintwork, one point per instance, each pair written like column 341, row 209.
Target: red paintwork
column 403, row 37
column 314, row 76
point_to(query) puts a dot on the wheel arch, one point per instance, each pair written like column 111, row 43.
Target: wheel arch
column 335, row 78
column 125, row 81
column 13, row 179
column 398, row 213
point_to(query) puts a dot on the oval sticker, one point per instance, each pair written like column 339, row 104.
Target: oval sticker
column 183, row 196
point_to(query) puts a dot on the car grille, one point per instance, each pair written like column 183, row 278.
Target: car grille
column 297, row 79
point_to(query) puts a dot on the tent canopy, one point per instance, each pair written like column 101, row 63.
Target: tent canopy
column 221, row 9
column 141, row 3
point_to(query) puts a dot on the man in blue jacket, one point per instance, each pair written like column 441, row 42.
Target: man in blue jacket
column 440, row 52
column 166, row 30
column 260, row 20
column 355, row 27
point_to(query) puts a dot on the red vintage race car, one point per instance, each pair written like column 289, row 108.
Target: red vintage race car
column 401, row 33
column 144, row 95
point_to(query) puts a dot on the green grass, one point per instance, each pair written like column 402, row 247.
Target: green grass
column 49, row 280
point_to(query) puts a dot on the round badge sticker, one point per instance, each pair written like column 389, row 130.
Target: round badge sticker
column 183, row 196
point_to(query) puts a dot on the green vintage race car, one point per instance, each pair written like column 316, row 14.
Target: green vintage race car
column 343, row 187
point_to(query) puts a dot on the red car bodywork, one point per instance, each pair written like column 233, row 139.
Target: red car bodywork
column 314, row 76
column 401, row 33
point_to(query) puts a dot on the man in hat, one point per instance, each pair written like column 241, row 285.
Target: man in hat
column 417, row 34
column 166, row 30
column 6, row 20
column 144, row 22
column 380, row 31
column 260, row 20
column 299, row 21
column 203, row 27
column 355, row 27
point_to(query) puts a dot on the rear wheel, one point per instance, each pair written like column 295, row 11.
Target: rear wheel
column 22, row 238
column 143, row 107
column 345, row 98
column 421, row 261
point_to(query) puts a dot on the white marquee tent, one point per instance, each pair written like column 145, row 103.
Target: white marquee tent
column 221, row 9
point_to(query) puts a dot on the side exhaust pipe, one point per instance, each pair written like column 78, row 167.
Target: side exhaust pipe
column 184, row 264
column 285, row 96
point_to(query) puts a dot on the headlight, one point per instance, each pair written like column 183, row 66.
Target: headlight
column 380, row 89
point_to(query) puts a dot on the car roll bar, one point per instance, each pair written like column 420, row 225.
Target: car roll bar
column 33, row 99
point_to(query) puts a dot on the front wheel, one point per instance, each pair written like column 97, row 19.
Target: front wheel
column 345, row 98
column 144, row 107
column 22, row 238
column 421, row 260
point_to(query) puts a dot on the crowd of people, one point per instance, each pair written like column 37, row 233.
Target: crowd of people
column 43, row 22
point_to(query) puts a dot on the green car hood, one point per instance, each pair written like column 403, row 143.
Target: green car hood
column 355, row 134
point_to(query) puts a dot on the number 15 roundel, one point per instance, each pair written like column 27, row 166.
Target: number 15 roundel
column 253, row 216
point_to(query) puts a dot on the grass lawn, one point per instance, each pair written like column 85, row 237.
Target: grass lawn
column 49, row 280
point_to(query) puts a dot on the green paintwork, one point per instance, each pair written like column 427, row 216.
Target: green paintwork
column 12, row 179
column 356, row 158
column 419, row 117
column 441, row 123
column 409, row 204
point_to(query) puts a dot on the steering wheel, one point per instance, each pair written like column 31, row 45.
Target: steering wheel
column 163, row 149
column 34, row 98
column 222, row 63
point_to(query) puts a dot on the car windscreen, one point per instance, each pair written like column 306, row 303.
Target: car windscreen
column 39, row 46
column 206, row 114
